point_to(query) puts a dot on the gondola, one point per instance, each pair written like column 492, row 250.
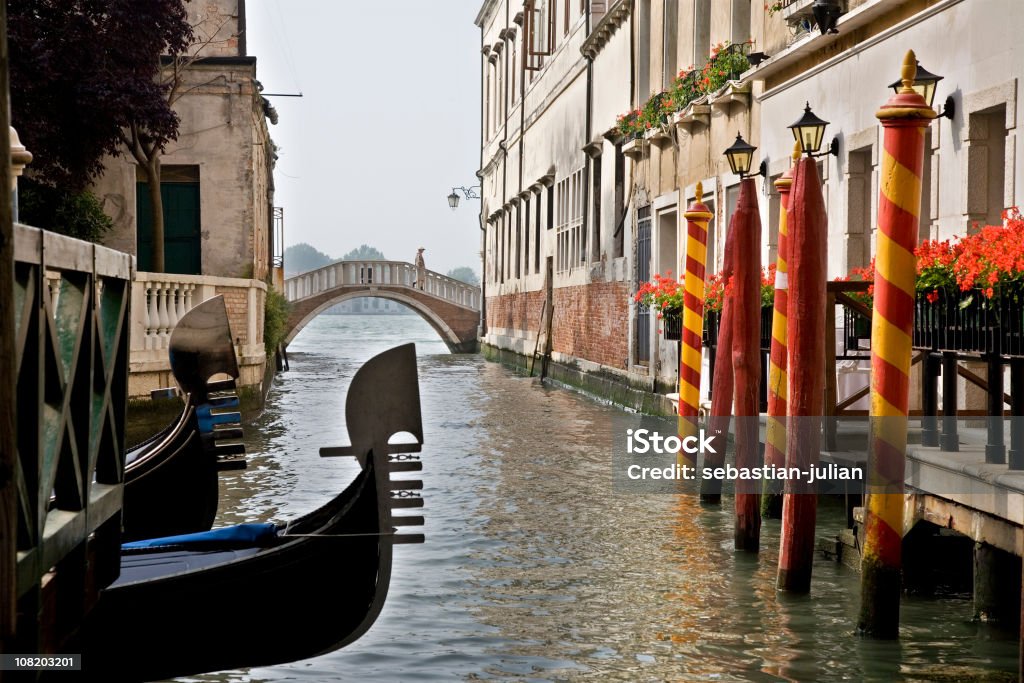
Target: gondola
column 233, row 598
column 171, row 478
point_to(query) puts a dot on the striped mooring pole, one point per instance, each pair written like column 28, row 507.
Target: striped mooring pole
column 697, row 216
column 775, row 428
column 746, row 359
column 904, row 119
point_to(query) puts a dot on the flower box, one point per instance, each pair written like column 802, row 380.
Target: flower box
column 634, row 149
column 696, row 113
column 673, row 322
column 658, row 134
column 733, row 92
column 969, row 321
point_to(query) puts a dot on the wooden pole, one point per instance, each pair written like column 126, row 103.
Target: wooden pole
column 904, row 118
column 8, row 488
column 722, row 383
column 746, row 358
column 806, row 333
column 690, row 357
column 775, row 429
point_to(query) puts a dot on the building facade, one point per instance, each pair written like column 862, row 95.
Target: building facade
column 217, row 190
column 579, row 208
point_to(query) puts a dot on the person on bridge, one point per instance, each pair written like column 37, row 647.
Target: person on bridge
column 421, row 269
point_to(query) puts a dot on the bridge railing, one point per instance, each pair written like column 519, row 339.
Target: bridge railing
column 391, row 273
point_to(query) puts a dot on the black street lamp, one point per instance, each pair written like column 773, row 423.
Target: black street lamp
column 826, row 14
column 741, row 156
column 453, row 198
column 809, row 132
column 924, row 84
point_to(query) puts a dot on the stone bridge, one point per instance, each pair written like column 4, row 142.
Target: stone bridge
column 451, row 307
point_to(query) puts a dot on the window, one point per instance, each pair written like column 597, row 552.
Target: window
column 643, row 55
column 513, row 67
column 487, row 107
column 595, row 191
column 859, row 215
column 643, row 274
column 519, row 247
column 526, row 236
column 568, row 237
column 986, row 155
column 701, row 32
column 670, row 41
column 538, row 32
column 536, row 238
column 620, row 198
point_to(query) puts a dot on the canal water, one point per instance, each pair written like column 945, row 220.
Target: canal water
column 535, row 570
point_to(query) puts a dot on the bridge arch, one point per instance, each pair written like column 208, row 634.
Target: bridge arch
column 447, row 334
column 450, row 307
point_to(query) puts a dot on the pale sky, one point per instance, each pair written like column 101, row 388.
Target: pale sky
column 388, row 123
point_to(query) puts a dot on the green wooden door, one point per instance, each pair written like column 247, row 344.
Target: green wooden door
column 182, row 240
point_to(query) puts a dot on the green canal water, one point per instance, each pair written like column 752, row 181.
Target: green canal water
column 534, row 569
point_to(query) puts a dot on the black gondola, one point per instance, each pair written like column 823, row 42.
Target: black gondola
column 171, row 478
column 308, row 587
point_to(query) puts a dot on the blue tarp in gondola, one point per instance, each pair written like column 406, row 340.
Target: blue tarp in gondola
column 232, row 536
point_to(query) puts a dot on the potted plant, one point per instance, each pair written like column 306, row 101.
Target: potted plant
column 664, row 295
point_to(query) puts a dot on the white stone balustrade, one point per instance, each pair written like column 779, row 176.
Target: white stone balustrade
column 160, row 300
column 373, row 273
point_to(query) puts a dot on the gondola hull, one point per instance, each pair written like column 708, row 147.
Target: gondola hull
column 315, row 586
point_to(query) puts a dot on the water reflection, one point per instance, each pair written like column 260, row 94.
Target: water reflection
column 534, row 569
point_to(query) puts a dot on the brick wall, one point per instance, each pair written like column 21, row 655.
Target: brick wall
column 590, row 321
column 236, row 299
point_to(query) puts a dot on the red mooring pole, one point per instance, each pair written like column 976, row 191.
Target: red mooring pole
column 721, row 386
column 775, row 428
column 807, row 336
column 904, row 119
column 746, row 358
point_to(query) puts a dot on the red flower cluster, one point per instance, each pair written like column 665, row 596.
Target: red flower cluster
column 991, row 259
column 718, row 287
column 663, row 293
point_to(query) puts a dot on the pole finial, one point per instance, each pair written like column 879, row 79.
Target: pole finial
column 700, row 192
column 796, row 151
column 908, row 72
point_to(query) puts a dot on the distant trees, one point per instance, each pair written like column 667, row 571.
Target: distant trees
column 464, row 274
column 299, row 258
column 364, row 252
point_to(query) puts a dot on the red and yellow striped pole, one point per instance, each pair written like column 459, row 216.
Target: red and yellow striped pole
column 904, row 117
column 808, row 241
column 722, row 382
column 697, row 216
column 775, row 429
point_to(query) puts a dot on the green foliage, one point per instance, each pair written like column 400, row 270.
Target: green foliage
column 725, row 63
column 364, row 252
column 464, row 274
column 72, row 213
column 299, row 258
column 275, row 317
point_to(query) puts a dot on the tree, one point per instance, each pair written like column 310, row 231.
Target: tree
column 85, row 71
column 299, row 258
column 364, row 252
column 464, row 274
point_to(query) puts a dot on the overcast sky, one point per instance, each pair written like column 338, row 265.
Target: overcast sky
column 387, row 124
